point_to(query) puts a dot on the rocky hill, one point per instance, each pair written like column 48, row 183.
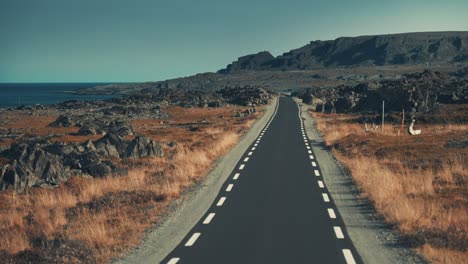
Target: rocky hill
column 394, row 49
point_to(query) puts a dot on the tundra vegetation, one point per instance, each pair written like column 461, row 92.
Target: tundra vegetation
column 418, row 183
column 152, row 157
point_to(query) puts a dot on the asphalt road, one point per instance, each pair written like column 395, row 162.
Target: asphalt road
column 274, row 207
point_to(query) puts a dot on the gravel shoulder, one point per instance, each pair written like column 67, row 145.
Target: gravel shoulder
column 186, row 211
column 375, row 241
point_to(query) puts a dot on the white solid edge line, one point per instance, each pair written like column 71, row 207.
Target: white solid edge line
column 325, row 197
column 331, row 213
column 320, row 183
column 173, row 261
column 241, row 167
column 338, row 232
column 348, row 256
column 192, row 239
column 229, row 187
column 317, row 173
column 246, row 159
column 221, row 201
column 236, row 176
column 250, row 153
column 208, row 218
column 314, row 164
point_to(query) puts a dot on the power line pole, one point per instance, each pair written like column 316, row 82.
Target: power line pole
column 383, row 115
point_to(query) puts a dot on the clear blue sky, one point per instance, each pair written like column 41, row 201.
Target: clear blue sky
column 144, row 40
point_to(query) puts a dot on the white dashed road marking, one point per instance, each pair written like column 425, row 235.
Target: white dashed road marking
column 314, row 164
column 246, row 159
column 348, row 256
column 311, row 156
column 325, row 197
column 250, row 153
column 338, row 232
column 229, row 187
column 253, row 148
column 317, row 173
column 221, row 201
column 309, row 151
column 208, row 218
column 241, row 167
column 173, row 261
column 308, row 147
column 236, row 176
column 320, row 183
column 331, row 213
column 192, row 239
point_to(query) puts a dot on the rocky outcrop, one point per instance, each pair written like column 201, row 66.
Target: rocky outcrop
column 41, row 163
column 143, row 147
column 418, row 92
column 63, row 121
column 32, row 165
column 246, row 96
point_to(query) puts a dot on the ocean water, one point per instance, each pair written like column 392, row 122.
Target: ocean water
column 15, row 94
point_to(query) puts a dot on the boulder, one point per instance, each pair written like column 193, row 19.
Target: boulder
column 63, row 121
column 60, row 149
column 110, row 145
column 143, row 147
column 86, row 130
column 88, row 145
column 121, row 128
column 98, row 169
column 32, row 164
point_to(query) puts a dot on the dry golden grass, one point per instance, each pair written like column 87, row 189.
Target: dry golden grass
column 406, row 196
column 80, row 209
column 416, row 183
column 438, row 255
column 337, row 126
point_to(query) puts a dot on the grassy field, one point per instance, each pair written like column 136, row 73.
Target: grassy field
column 418, row 183
column 89, row 220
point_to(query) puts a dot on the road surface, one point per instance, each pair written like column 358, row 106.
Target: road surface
column 274, row 207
